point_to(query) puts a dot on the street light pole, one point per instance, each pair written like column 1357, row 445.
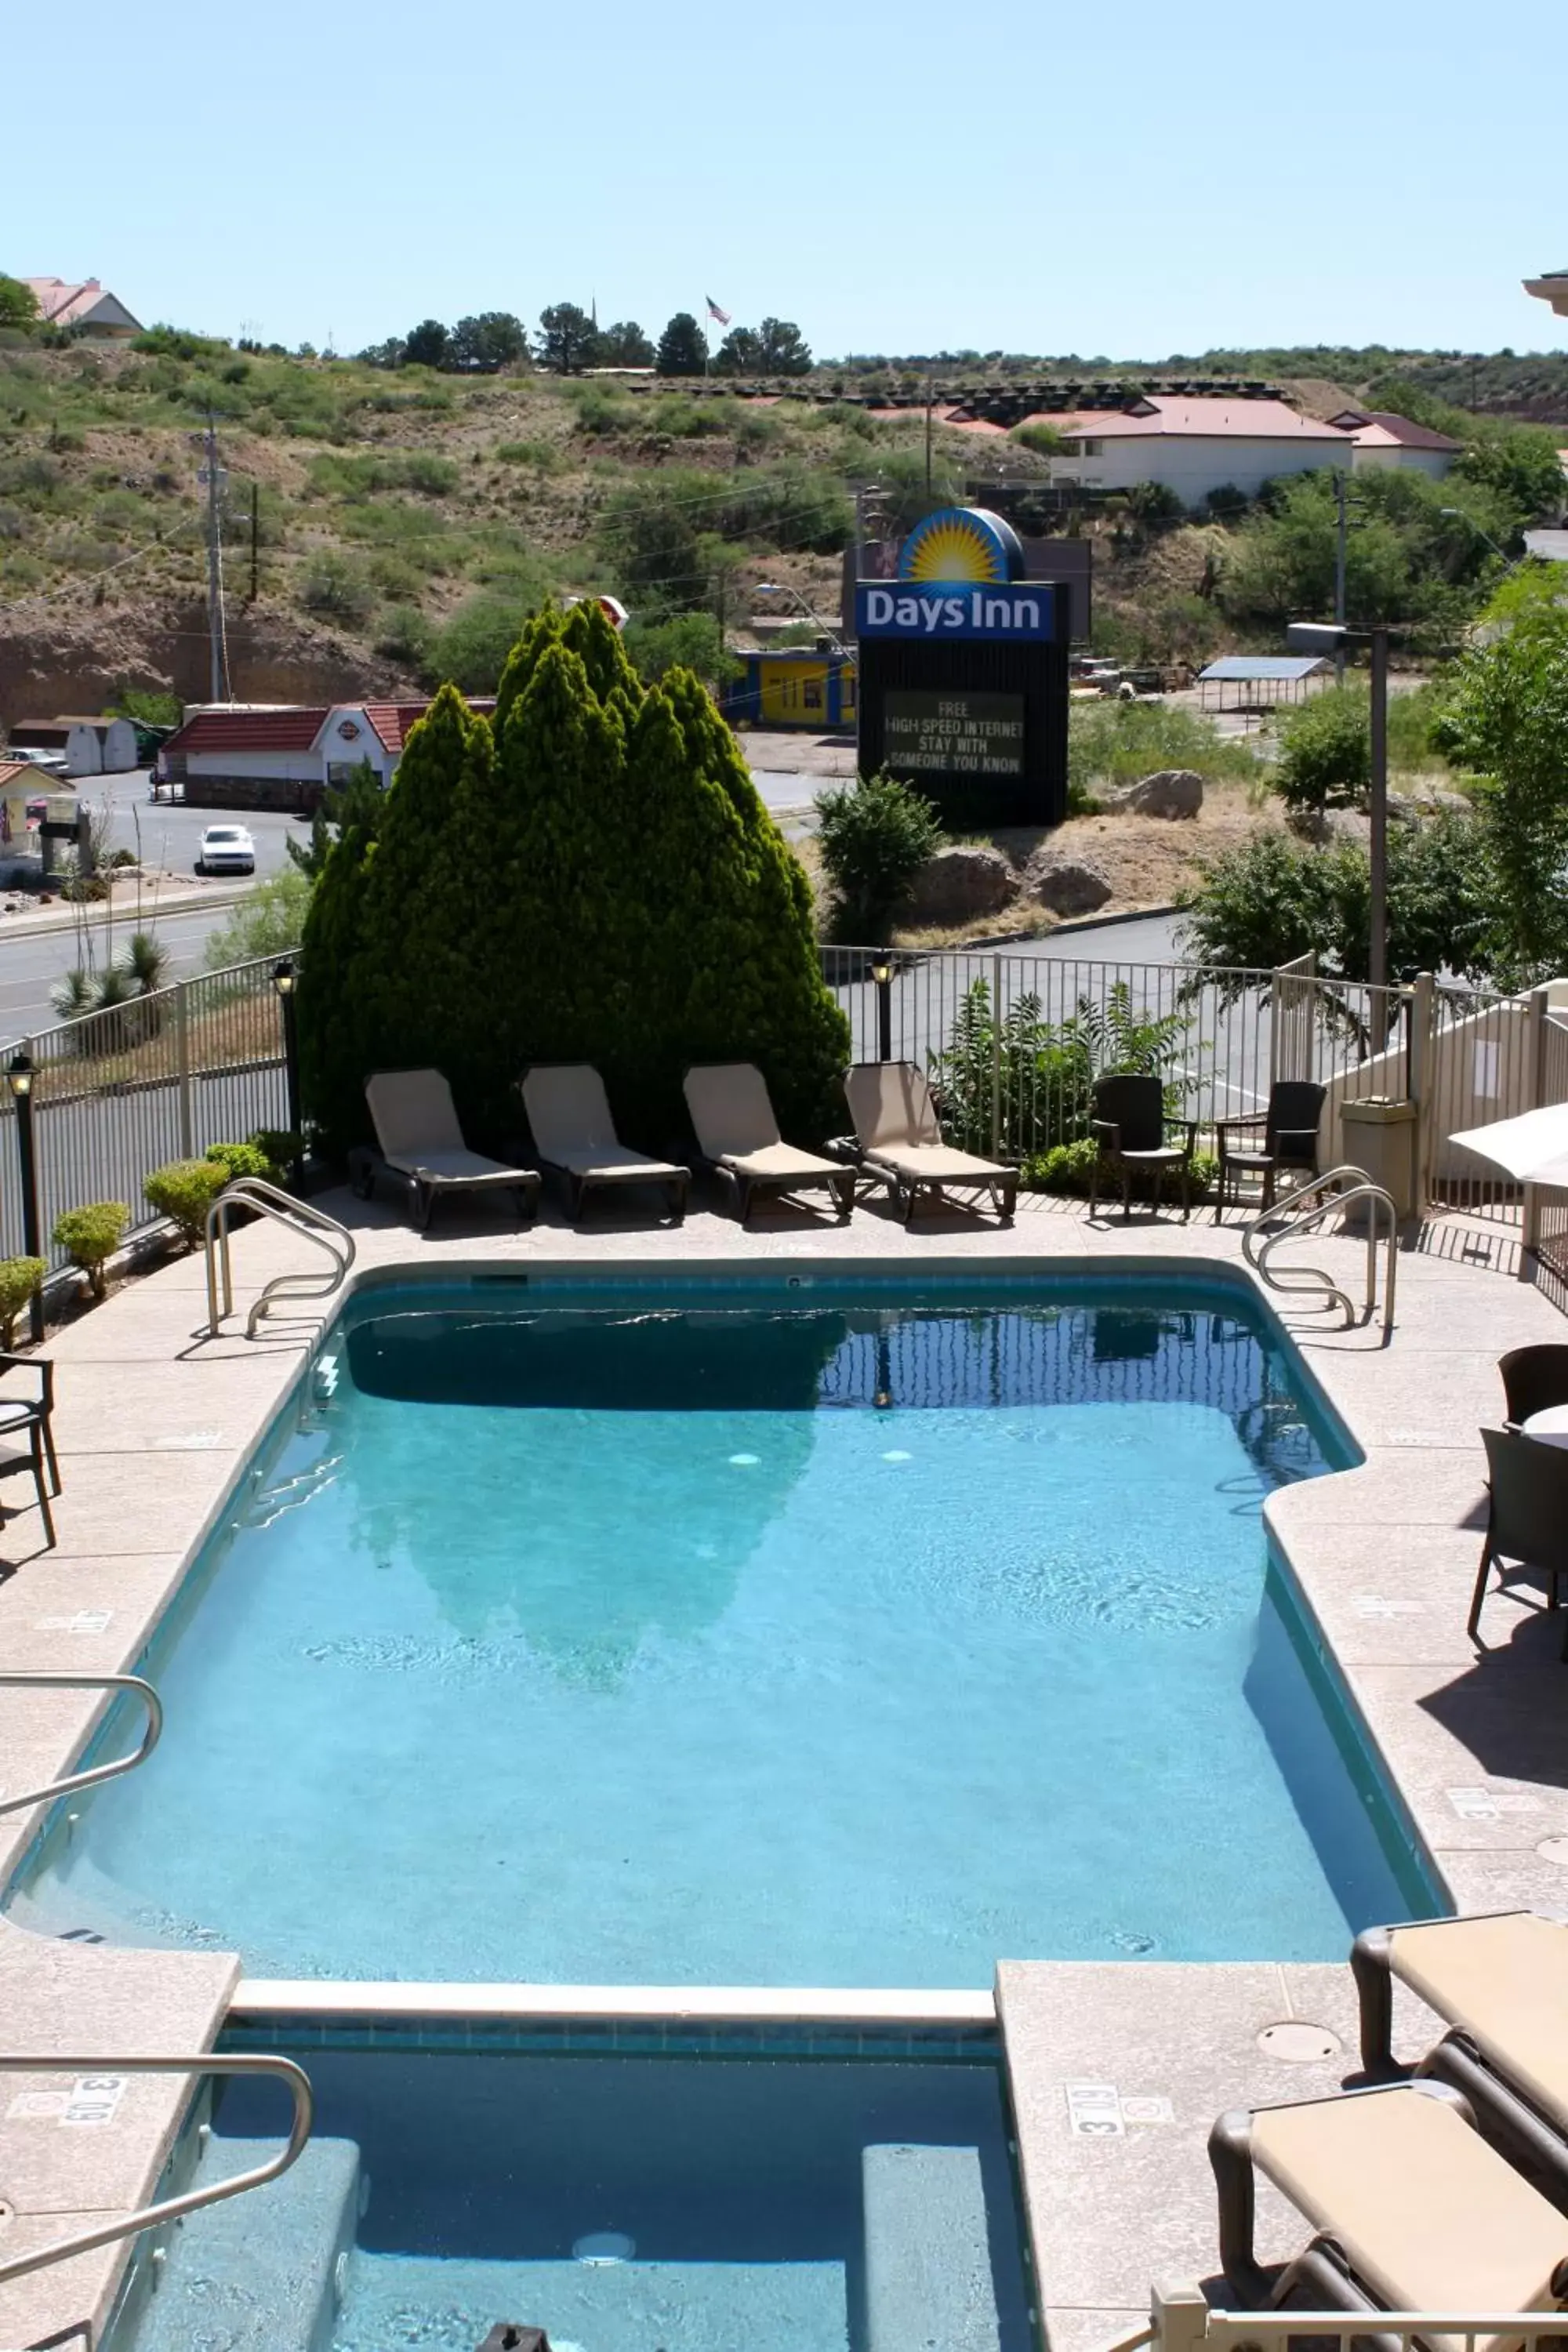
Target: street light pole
column 1377, row 907
column 1341, row 535
column 20, row 1077
column 882, row 974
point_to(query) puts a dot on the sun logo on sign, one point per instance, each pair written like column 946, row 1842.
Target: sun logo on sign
column 961, row 543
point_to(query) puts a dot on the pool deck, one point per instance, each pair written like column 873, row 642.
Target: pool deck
column 154, row 1423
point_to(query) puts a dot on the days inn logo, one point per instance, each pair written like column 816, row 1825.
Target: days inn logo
column 960, row 576
column 1021, row 614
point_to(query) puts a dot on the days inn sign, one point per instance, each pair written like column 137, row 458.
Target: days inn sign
column 959, row 579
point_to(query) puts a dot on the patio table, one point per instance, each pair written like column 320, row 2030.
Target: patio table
column 1551, row 1425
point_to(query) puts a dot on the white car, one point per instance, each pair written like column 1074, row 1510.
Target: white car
column 51, row 763
column 226, row 849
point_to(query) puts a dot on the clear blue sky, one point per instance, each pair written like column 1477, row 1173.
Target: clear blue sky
column 893, row 174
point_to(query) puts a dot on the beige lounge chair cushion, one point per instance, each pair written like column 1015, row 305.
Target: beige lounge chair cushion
column 1505, row 1982
column 569, row 1112
column 417, row 1127
column 782, row 1163
column 890, row 1103
column 732, row 1109
column 937, row 1164
column 1430, row 2217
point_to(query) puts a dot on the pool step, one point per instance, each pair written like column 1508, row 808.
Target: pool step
column 261, row 2271
column 450, row 2305
column 928, row 2252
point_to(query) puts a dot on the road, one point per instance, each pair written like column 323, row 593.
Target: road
column 167, row 834
column 31, row 968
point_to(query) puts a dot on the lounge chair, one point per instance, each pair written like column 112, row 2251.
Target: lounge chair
column 738, row 1135
column 1289, row 1139
column 1129, row 1124
column 1500, row 1983
column 1412, row 2210
column 421, row 1142
column 900, row 1142
column 574, row 1134
column 1527, row 1515
column 26, row 1435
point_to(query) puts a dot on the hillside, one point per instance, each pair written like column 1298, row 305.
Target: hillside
column 403, row 519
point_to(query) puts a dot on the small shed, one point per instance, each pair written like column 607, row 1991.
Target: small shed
column 1261, row 681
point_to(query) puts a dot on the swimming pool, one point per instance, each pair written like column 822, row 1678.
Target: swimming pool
column 834, row 1634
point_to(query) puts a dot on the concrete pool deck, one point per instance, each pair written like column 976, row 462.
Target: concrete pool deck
column 155, row 1423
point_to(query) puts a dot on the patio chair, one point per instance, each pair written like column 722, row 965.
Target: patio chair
column 1129, row 1124
column 421, row 1141
column 1533, row 1379
column 1410, row 2207
column 899, row 1142
column 26, row 1435
column 574, row 1134
column 1289, row 1139
column 1527, row 1515
column 1500, row 1983
column 738, row 1137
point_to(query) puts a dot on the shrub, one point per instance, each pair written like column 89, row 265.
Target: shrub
column 335, row 584
column 268, row 921
column 90, row 1236
column 633, row 907
column 185, row 1190
column 1117, row 743
column 470, row 650
column 1325, row 752
column 19, row 1278
column 240, row 1159
column 280, row 1147
column 1041, row 1075
column 875, row 836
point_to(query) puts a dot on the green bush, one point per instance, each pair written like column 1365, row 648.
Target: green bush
column 874, row 835
column 1117, row 743
column 1039, row 1075
column 19, row 1278
column 1325, row 752
column 90, row 1236
column 469, row 651
column 280, row 1147
column 338, row 586
column 185, row 1190
column 634, row 906
column 240, row 1159
column 268, row 921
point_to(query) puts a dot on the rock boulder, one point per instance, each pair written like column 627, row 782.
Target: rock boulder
column 1067, row 886
column 960, row 882
column 1169, row 792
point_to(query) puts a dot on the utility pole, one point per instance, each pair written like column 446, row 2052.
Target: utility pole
column 1340, row 532
column 214, row 570
column 928, row 428
column 254, row 534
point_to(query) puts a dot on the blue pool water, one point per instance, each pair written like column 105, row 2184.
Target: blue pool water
column 624, row 2203
column 824, row 1638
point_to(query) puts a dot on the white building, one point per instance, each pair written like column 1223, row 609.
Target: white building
column 283, row 755
column 1395, row 443
column 1195, row 446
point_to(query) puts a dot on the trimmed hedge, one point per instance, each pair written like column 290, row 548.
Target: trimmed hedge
column 91, row 1235
column 19, row 1278
column 589, row 876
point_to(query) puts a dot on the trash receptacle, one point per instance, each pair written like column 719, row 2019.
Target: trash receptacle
column 1379, row 1136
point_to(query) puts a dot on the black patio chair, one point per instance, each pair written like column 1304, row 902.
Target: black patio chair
column 26, row 1435
column 1131, row 1126
column 1289, row 1139
column 1533, row 1379
column 1527, row 1515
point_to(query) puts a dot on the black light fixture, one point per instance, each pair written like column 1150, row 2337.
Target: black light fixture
column 882, row 974
column 283, row 977
column 19, row 1074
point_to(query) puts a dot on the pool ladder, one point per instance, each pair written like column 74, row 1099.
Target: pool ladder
column 1302, row 1210
column 296, row 1216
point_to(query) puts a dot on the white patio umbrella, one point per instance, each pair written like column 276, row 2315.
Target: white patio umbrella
column 1533, row 1148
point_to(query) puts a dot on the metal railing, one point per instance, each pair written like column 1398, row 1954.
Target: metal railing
column 1303, row 1211
column 312, row 1224
column 104, row 2068
column 160, row 1077
column 98, row 1772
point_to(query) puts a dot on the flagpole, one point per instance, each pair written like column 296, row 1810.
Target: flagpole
column 707, row 340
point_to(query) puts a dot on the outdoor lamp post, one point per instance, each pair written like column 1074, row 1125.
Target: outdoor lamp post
column 283, row 980
column 19, row 1077
column 882, row 974
column 1457, row 514
column 1331, row 638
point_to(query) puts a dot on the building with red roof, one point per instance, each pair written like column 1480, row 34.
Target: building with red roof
column 1195, row 445
column 284, row 755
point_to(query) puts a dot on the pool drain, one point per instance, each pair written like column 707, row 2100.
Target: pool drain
column 602, row 2246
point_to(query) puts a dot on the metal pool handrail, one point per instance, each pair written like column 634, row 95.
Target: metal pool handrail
column 98, row 1772
column 1303, row 1209
column 1182, row 2321
column 311, row 1225
column 168, row 2209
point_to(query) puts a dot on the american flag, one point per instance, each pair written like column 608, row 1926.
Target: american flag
column 715, row 312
